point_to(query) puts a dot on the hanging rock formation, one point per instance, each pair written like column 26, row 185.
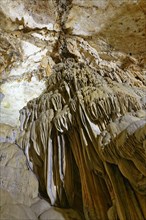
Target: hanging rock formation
column 78, row 67
column 74, row 142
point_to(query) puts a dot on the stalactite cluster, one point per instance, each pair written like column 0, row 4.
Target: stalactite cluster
column 84, row 138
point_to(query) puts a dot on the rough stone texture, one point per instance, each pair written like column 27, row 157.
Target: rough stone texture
column 107, row 36
column 33, row 14
column 26, row 43
column 31, row 42
column 15, row 176
column 59, row 214
column 6, row 198
column 40, row 207
column 114, row 21
column 16, row 212
column 7, row 133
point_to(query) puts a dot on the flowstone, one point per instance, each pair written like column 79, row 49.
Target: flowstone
column 84, row 138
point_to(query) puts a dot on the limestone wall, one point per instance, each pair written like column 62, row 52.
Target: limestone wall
column 108, row 39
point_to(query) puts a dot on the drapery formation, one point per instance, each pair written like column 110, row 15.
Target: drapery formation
column 84, row 138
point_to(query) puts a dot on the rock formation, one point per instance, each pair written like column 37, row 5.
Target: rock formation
column 72, row 139
column 73, row 109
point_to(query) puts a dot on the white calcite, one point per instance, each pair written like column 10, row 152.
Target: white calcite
column 37, row 17
column 16, row 95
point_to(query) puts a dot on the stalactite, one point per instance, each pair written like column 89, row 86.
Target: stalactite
column 73, row 124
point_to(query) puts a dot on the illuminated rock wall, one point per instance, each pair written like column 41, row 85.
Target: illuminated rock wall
column 93, row 105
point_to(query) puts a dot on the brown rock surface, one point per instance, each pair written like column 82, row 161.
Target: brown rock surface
column 86, row 123
column 59, row 214
column 84, row 137
column 16, row 212
column 6, row 198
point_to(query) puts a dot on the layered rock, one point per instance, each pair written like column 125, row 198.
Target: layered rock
column 28, row 35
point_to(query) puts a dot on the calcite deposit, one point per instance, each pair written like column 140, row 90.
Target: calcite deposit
column 75, row 122
column 73, row 109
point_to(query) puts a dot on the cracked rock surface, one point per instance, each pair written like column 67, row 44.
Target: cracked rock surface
column 73, row 109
